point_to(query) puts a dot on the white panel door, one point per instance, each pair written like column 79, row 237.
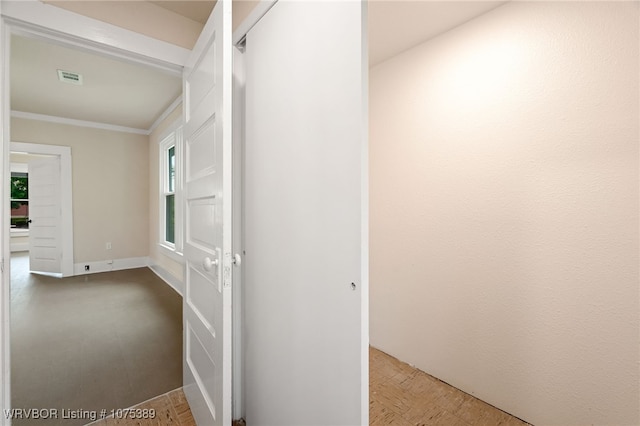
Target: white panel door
column 305, row 277
column 207, row 300
column 45, row 215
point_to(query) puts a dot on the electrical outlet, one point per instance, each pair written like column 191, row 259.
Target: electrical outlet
column 86, row 267
column 108, row 245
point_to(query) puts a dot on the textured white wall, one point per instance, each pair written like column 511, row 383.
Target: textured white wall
column 110, row 187
column 504, row 210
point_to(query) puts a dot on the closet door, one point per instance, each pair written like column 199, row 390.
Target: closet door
column 305, row 345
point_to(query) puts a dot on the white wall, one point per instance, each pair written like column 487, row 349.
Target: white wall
column 504, row 210
column 110, row 187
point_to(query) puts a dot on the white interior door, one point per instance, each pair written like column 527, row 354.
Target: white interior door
column 207, row 300
column 45, row 215
column 305, row 278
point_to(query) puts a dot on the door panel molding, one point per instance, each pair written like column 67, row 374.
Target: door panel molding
column 207, row 83
column 45, row 216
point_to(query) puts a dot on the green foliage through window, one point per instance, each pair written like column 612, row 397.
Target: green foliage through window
column 19, row 209
column 19, row 188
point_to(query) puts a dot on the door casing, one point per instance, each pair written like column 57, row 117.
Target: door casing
column 261, row 9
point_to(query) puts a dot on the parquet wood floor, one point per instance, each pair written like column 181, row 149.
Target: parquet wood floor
column 168, row 409
column 399, row 395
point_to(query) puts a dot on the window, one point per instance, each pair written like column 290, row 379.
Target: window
column 170, row 197
column 19, row 200
column 170, row 161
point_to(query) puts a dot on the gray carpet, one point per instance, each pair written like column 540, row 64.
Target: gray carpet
column 92, row 342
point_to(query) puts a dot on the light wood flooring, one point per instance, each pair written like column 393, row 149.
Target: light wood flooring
column 399, row 395
column 168, row 409
column 171, row 409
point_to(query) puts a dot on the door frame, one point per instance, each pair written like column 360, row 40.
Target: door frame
column 66, row 196
column 238, row 37
column 55, row 25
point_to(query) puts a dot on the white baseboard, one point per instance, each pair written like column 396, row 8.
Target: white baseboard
column 19, row 247
column 104, row 265
column 172, row 281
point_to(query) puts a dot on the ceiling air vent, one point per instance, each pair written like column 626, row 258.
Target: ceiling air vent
column 70, row 77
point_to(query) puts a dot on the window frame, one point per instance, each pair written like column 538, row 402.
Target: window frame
column 19, row 168
column 172, row 138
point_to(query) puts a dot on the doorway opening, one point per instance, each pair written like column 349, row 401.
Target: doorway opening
column 71, row 329
column 41, row 190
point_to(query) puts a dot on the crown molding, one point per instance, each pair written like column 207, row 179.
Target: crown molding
column 165, row 114
column 79, row 123
column 97, row 125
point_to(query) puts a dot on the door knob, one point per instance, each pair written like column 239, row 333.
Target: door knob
column 207, row 263
column 237, row 260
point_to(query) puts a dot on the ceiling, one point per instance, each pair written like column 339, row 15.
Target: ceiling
column 198, row 10
column 398, row 25
column 125, row 94
column 113, row 92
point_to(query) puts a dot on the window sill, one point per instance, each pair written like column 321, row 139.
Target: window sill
column 19, row 232
column 171, row 253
